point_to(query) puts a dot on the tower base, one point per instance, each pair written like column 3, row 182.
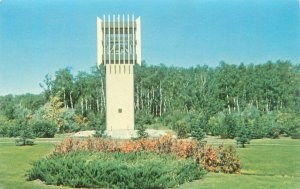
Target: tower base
column 121, row 134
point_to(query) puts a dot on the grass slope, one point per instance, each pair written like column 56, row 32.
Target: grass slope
column 266, row 164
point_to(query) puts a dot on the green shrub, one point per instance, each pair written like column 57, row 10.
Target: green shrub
column 23, row 141
column 207, row 155
column 243, row 136
column 231, row 124
column 26, row 135
column 229, row 161
column 141, row 131
column 296, row 134
column 95, row 121
column 182, row 128
column 10, row 129
column 216, row 124
column 115, row 170
column 197, row 132
column 44, row 129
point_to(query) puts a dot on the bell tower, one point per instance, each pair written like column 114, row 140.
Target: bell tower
column 119, row 49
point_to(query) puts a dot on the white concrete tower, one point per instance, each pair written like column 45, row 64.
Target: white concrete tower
column 119, row 49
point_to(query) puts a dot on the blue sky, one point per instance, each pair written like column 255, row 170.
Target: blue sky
column 39, row 37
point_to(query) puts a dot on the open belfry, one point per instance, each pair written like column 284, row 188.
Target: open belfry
column 119, row 49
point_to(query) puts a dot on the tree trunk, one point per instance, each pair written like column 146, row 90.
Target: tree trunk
column 86, row 104
column 237, row 104
column 256, row 103
column 165, row 106
column 103, row 93
column 137, row 98
column 153, row 100
column 97, row 101
column 234, row 102
column 160, row 99
column 82, row 106
column 148, row 102
column 65, row 103
column 228, row 105
column 142, row 101
column 71, row 100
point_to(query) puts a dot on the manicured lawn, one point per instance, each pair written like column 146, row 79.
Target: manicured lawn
column 266, row 163
column 15, row 160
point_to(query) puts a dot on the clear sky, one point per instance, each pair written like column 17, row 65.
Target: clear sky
column 39, row 37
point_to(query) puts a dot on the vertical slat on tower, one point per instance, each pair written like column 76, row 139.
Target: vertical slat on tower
column 99, row 41
column 123, row 43
column 119, row 46
column 114, row 34
column 104, row 40
column 133, row 40
column 108, row 39
column 128, row 42
column 138, row 41
column 123, row 40
column 119, row 35
column 114, row 46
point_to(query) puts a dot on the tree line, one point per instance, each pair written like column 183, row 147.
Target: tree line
column 224, row 99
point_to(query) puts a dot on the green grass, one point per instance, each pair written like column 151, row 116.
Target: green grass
column 16, row 160
column 266, row 163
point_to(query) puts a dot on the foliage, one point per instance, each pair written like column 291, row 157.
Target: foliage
column 231, row 124
column 10, row 128
column 141, row 131
column 44, row 129
column 96, row 121
column 20, row 141
column 288, row 121
column 296, row 134
column 69, row 123
column 182, row 128
column 243, row 136
column 216, row 123
column 25, row 137
column 54, row 111
column 222, row 159
column 263, row 97
column 229, row 161
column 268, row 123
column 142, row 118
column 7, row 107
column 25, row 130
column 197, row 132
column 115, row 170
column 208, row 156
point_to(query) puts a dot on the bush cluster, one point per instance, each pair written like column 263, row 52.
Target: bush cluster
column 44, row 129
column 255, row 123
column 115, row 170
column 191, row 124
column 209, row 157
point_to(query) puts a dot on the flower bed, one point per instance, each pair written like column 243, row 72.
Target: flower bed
column 215, row 159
